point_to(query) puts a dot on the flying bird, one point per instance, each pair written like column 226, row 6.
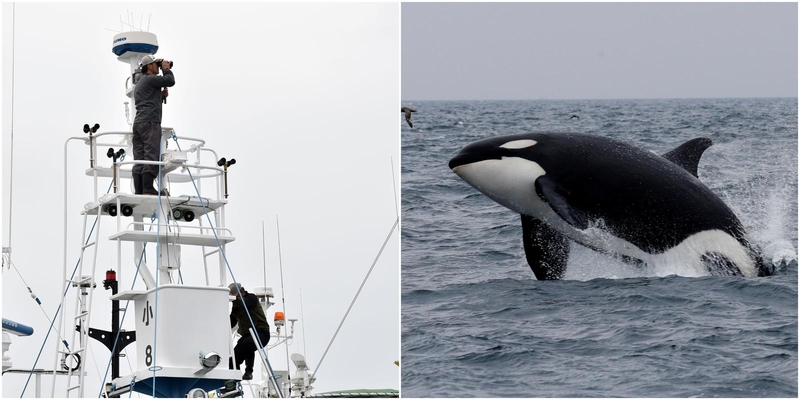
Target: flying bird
column 407, row 111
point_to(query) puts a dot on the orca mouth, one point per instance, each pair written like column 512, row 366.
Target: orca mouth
column 462, row 159
column 494, row 148
column 468, row 156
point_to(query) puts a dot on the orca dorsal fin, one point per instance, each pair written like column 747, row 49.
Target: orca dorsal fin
column 687, row 155
column 546, row 250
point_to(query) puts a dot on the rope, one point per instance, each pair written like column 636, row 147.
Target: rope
column 59, row 307
column 52, row 322
column 119, row 329
column 133, row 383
column 94, row 359
column 227, row 264
column 354, row 298
column 33, row 295
column 158, row 272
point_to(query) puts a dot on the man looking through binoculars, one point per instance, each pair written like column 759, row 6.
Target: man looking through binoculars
column 148, row 97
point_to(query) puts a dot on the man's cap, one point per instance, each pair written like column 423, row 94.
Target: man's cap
column 232, row 288
column 146, row 60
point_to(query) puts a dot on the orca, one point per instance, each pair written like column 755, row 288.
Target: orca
column 612, row 197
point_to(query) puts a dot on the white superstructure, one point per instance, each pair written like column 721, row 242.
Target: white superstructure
column 182, row 339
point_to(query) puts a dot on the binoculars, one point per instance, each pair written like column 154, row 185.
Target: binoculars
column 159, row 60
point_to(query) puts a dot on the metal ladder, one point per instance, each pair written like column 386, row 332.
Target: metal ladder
column 81, row 319
column 216, row 250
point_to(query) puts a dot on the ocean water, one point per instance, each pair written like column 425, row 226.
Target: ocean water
column 476, row 322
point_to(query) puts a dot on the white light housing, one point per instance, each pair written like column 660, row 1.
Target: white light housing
column 261, row 291
column 299, row 361
column 197, row 394
column 209, row 359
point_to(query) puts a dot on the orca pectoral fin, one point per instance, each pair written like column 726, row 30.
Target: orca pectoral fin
column 554, row 195
column 687, row 155
column 546, row 250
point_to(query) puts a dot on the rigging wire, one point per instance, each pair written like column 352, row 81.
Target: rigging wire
column 264, row 253
column 33, row 295
column 124, row 313
column 51, row 323
column 158, row 272
column 90, row 349
column 396, row 222
column 11, row 169
column 66, row 344
column 230, row 270
column 394, row 188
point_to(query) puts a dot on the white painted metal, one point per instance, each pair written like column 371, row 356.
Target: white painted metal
column 83, row 298
column 261, row 355
column 191, row 319
column 186, row 324
column 170, row 257
column 147, row 205
column 192, row 239
column 185, row 327
column 138, row 256
column 64, row 265
column 7, row 364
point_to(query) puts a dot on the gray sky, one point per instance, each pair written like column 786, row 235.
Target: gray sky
column 303, row 96
column 471, row 51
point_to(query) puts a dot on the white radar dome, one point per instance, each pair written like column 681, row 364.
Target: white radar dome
column 135, row 42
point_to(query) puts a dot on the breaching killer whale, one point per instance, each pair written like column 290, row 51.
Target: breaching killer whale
column 612, row 197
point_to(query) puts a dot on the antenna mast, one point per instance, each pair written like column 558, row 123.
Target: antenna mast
column 283, row 293
column 303, row 316
column 264, row 255
column 7, row 250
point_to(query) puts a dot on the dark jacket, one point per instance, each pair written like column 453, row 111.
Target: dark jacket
column 239, row 315
column 147, row 96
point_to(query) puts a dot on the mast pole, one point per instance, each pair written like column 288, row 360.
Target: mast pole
column 283, row 294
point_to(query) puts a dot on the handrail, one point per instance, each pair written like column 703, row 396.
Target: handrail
column 199, row 176
column 201, row 141
column 179, row 168
column 164, row 163
column 145, row 224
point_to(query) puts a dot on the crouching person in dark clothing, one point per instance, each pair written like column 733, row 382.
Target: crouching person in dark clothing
column 245, row 348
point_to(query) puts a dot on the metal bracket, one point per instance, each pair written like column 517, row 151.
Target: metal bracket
column 107, row 338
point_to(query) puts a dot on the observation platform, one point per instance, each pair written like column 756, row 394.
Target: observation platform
column 148, row 204
column 174, row 237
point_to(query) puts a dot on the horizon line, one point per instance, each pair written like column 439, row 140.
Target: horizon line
column 613, row 98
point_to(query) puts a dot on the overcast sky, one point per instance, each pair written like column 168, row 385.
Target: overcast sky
column 469, row 51
column 303, row 96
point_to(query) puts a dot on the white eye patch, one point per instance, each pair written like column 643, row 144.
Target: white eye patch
column 519, row 144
